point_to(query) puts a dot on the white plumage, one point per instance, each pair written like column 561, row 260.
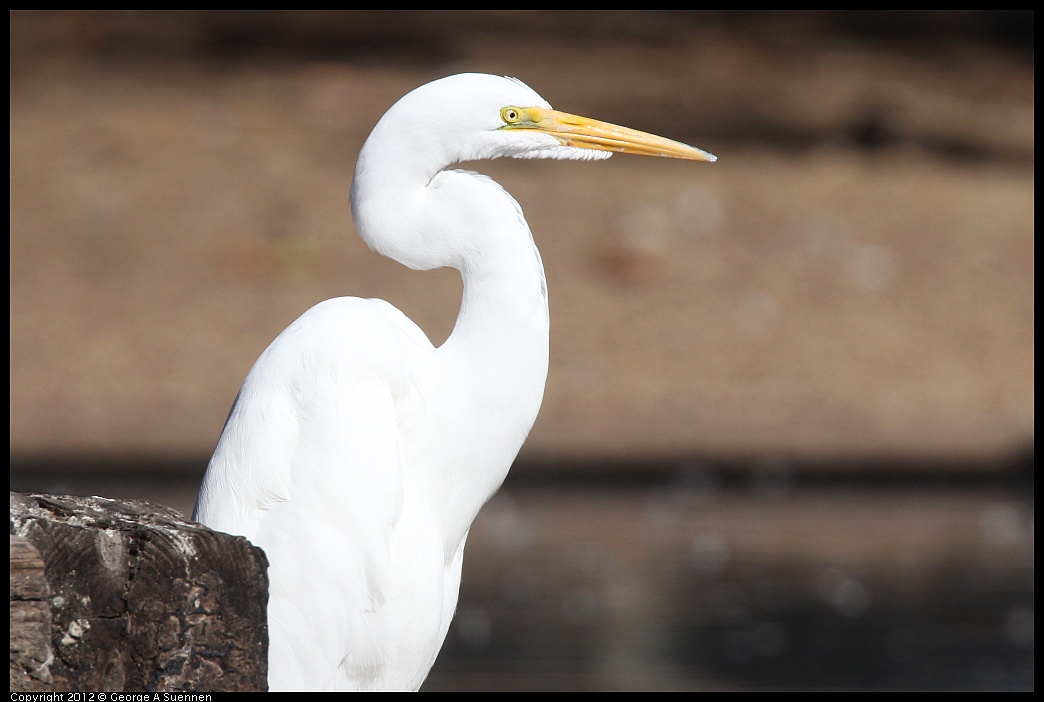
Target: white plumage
column 357, row 454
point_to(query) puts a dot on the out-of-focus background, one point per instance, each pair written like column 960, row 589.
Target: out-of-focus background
column 787, row 439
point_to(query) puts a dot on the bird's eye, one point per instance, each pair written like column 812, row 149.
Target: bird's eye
column 511, row 115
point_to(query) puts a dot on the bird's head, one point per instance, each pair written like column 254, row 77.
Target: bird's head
column 474, row 116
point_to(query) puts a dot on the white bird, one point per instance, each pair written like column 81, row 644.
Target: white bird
column 357, row 454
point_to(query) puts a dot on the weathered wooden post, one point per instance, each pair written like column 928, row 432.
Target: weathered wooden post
column 125, row 595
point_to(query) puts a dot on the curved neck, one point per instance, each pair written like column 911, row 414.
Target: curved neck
column 493, row 369
column 488, row 377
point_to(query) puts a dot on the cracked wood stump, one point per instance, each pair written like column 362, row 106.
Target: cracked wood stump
column 125, row 595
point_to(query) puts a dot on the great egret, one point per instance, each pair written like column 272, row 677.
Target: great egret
column 357, row 454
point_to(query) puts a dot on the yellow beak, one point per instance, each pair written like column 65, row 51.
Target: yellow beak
column 586, row 133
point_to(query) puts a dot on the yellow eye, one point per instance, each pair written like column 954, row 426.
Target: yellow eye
column 511, row 115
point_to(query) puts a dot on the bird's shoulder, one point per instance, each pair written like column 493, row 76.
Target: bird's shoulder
column 320, row 406
column 362, row 327
column 335, row 345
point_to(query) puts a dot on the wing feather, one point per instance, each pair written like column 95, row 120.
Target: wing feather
column 309, row 467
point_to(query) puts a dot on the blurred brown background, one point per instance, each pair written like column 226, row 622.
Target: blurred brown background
column 787, row 439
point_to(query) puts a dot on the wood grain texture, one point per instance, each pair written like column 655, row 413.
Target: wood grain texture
column 133, row 597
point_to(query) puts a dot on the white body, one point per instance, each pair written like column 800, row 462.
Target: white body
column 357, row 455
